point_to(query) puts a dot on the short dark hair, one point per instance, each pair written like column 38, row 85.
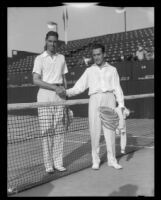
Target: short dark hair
column 51, row 33
column 97, row 46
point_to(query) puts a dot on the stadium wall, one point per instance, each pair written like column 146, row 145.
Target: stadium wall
column 136, row 78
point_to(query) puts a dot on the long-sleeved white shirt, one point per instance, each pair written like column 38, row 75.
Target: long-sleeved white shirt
column 99, row 80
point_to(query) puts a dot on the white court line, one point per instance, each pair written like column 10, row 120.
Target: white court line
column 79, row 142
column 119, row 135
column 149, row 147
column 135, row 136
column 140, row 137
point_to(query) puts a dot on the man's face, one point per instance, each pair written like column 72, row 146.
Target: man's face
column 51, row 43
column 98, row 56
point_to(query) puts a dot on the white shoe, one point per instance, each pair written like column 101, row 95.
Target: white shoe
column 49, row 170
column 60, row 168
column 95, row 166
column 115, row 165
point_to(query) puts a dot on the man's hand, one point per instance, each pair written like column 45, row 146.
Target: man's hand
column 61, row 92
column 125, row 112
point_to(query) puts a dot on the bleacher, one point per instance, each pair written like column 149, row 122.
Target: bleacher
column 19, row 69
column 20, row 66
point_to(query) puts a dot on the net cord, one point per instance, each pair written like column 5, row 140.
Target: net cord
column 18, row 106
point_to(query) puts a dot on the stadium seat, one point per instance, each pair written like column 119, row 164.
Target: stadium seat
column 76, row 49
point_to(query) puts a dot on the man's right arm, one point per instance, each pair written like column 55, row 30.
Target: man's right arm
column 37, row 81
column 80, row 86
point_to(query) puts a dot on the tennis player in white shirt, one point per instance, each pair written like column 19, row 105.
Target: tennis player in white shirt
column 103, row 82
column 49, row 74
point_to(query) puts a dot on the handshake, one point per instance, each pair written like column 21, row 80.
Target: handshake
column 61, row 92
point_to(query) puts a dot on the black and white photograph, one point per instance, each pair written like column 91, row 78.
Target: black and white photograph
column 80, row 100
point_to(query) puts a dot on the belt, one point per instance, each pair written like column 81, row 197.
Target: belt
column 110, row 91
column 58, row 84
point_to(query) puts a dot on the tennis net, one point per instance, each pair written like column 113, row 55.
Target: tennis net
column 29, row 129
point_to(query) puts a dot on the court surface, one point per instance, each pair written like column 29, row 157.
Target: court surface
column 136, row 178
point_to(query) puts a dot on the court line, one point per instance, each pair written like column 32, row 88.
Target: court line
column 82, row 132
column 129, row 136
column 30, row 137
column 149, row 147
column 135, row 136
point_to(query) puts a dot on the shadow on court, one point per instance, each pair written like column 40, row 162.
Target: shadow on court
column 130, row 151
column 133, row 144
column 125, row 190
column 77, row 153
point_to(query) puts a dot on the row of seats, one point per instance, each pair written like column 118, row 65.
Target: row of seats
column 19, row 78
column 76, row 49
column 130, row 35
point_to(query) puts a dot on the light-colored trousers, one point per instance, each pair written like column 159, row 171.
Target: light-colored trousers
column 95, row 125
column 50, row 120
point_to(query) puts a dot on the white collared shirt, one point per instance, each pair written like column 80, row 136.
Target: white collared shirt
column 99, row 80
column 50, row 69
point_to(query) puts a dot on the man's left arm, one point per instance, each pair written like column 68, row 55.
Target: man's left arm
column 64, row 81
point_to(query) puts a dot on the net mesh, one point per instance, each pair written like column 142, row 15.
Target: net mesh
column 33, row 127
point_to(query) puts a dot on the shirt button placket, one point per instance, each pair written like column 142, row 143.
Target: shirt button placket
column 102, row 81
